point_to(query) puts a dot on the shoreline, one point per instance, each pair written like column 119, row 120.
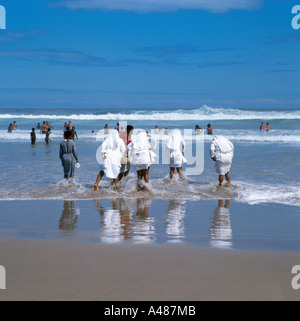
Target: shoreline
column 57, row 270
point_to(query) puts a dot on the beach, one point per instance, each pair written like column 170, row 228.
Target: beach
column 54, row 270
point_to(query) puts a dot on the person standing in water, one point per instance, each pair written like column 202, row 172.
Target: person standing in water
column 142, row 156
column 209, row 130
column 106, row 129
column 221, row 152
column 112, row 151
column 262, row 127
column 33, row 136
column 176, row 148
column 68, row 155
column 268, row 127
column 47, row 138
column 74, row 134
column 14, row 125
column 44, row 128
column 198, row 130
column 9, row 129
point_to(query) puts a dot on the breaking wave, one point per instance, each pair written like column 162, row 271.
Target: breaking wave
column 203, row 113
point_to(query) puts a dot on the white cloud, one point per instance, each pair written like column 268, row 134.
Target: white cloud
column 143, row 6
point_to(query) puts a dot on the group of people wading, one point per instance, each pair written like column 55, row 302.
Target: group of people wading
column 120, row 151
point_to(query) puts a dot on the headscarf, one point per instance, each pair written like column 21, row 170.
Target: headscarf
column 223, row 144
column 140, row 141
column 175, row 141
column 113, row 140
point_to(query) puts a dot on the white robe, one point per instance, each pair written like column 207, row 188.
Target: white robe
column 140, row 151
column 222, row 149
column 114, row 149
column 176, row 148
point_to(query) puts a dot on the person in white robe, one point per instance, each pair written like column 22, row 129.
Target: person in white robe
column 221, row 152
column 176, row 149
column 112, row 151
column 142, row 157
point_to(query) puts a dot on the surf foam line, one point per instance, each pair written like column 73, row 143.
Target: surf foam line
column 272, row 137
column 240, row 192
column 203, row 113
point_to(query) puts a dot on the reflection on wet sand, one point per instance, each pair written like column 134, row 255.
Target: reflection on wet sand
column 69, row 217
column 115, row 222
column 143, row 229
column 131, row 219
column 221, row 232
column 174, row 221
column 119, row 222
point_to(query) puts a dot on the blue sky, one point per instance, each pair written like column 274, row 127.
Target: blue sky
column 149, row 54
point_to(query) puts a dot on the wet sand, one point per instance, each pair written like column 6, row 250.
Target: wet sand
column 59, row 270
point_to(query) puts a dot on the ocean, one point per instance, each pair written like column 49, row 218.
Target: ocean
column 265, row 168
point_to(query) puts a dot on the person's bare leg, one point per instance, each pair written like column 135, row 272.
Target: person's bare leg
column 115, row 181
column 139, row 178
column 172, row 171
column 221, row 180
column 179, row 171
column 146, row 175
column 227, row 176
column 99, row 177
column 121, row 175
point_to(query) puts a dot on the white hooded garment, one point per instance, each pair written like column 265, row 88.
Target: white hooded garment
column 140, row 150
column 114, row 149
column 176, row 148
column 222, row 149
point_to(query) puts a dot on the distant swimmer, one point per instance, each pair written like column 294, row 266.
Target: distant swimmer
column 38, row 126
column 9, row 129
column 112, row 151
column 268, row 127
column 156, row 130
column 44, row 128
column 68, row 155
column 70, row 125
column 47, row 138
column 262, row 127
column 209, row 130
column 33, row 136
column 176, row 149
column 74, row 134
column 106, row 130
column 221, row 152
column 198, row 130
column 14, row 125
column 142, row 156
